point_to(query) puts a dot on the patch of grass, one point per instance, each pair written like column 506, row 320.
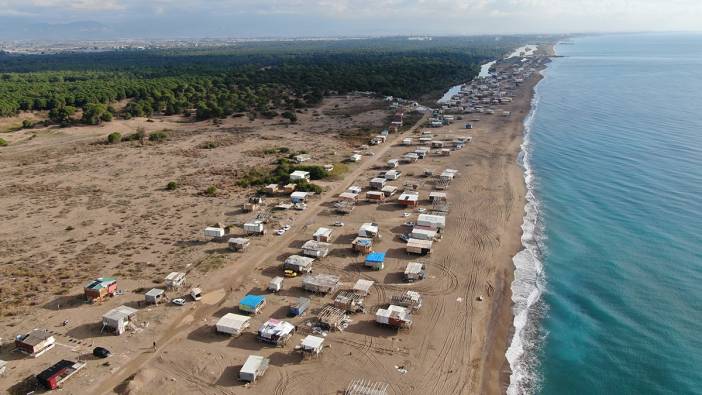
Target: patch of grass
column 158, row 136
column 114, row 138
column 211, row 191
column 212, row 262
column 172, row 186
column 209, row 145
column 3, row 143
column 339, row 170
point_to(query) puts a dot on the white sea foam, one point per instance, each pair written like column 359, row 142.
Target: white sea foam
column 528, row 283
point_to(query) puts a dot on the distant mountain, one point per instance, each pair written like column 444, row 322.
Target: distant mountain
column 19, row 29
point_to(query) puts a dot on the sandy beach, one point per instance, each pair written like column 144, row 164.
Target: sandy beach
column 457, row 342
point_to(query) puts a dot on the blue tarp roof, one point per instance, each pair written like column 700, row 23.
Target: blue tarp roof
column 252, row 300
column 376, row 257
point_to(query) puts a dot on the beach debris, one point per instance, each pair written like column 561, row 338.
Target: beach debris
column 480, row 298
column 459, row 300
column 401, row 369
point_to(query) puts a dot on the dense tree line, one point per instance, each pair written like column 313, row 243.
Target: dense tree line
column 258, row 77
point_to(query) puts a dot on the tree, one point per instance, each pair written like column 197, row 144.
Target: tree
column 95, row 113
column 62, row 115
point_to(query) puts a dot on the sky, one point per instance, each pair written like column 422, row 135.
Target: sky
column 297, row 18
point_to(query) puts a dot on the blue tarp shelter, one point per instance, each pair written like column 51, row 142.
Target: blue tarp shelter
column 376, row 260
column 252, row 303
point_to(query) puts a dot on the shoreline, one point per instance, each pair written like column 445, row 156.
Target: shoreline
column 529, row 228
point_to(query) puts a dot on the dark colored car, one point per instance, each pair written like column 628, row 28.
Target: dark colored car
column 101, row 352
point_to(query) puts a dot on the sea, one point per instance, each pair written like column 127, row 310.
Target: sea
column 608, row 289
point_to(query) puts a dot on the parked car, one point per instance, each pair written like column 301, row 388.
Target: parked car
column 405, row 237
column 338, row 223
column 280, row 232
column 101, row 352
column 178, row 301
column 290, row 273
column 286, row 227
column 409, row 223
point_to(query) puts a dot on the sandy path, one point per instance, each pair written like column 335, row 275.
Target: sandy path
column 234, row 278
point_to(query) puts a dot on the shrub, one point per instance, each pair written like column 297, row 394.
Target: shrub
column 27, row 124
column 114, row 138
column 3, row 142
column 211, row 190
column 157, row 136
column 171, row 186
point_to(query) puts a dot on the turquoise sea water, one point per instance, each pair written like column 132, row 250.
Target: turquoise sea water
column 609, row 291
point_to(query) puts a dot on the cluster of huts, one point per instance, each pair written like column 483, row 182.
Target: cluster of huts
column 482, row 94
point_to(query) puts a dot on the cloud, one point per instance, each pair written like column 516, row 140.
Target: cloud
column 236, row 17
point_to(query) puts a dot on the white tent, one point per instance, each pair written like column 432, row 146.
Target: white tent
column 233, row 324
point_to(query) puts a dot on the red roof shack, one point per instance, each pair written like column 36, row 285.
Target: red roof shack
column 54, row 376
column 100, row 288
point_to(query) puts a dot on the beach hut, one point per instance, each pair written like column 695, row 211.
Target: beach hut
column 397, row 317
column 3, row 367
column 321, row 283
column 414, row 271
column 409, row 199
column 117, row 319
column 348, row 197
column 311, row 346
column 299, row 197
column 276, row 332
column 410, row 157
column 52, row 377
column 100, row 288
column 369, row 230
column 276, row 284
column 175, row 280
column 254, row 367
column 392, row 175
column 436, row 196
column 252, row 304
column 154, row 296
column 35, row 343
column 322, row 234
column 375, row 196
column 298, row 264
column 349, row 301
column 392, row 163
column 421, row 247
column 272, row 189
column 378, row 183
column 298, row 307
column 299, row 158
column 354, row 189
column 363, row 286
column 232, row 324
column 375, row 260
column 254, row 228
column 407, row 141
column 445, row 151
column 409, row 299
column 355, row 158
column 431, row 221
column 389, row 190
column 300, row 175
column 316, row 249
column 363, row 245
column 238, row 243
column 423, row 233
column 214, row 232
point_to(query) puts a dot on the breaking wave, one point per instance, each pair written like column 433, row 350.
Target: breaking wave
column 529, row 282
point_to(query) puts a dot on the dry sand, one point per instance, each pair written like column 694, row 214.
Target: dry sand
column 123, row 220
